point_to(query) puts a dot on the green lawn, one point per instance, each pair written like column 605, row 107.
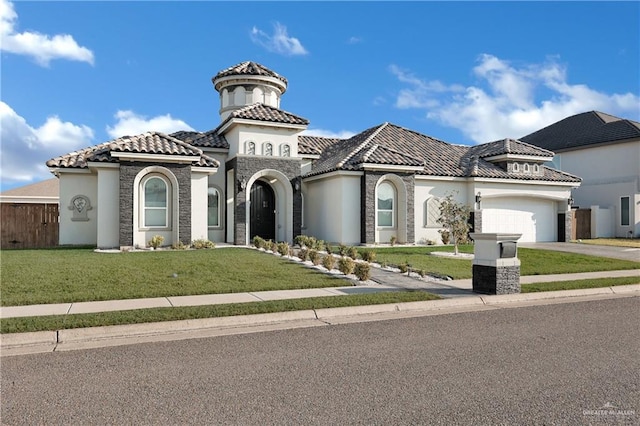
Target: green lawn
column 579, row 284
column 533, row 262
column 75, row 275
column 59, row 322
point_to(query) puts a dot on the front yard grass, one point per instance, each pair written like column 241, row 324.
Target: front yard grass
column 533, row 261
column 59, row 322
column 76, row 275
column 617, row 242
column 579, row 284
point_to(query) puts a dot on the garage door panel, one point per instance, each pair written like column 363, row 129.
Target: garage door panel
column 534, row 219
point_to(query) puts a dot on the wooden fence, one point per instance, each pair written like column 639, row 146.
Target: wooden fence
column 25, row 225
column 581, row 228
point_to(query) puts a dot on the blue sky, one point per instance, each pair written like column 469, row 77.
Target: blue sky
column 75, row 74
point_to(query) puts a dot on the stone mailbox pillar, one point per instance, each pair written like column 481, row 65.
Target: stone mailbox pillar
column 496, row 267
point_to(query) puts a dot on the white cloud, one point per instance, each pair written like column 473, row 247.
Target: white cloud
column 279, row 42
column 342, row 134
column 354, row 40
column 129, row 123
column 506, row 100
column 41, row 47
column 25, row 149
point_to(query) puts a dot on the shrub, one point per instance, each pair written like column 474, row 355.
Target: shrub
column 384, row 264
column 202, row 244
column 329, row 262
column 271, row 245
column 310, row 242
column 179, row 246
column 156, row 241
column 303, row 254
column 445, row 236
column 318, row 245
column 283, row 248
column 346, row 265
column 422, row 273
column 259, row 242
column 301, row 240
column 342, row 250
column 362, row 271
column 393, row 240
column 314, row 257
column 368, row 255
column 327, row 248
column 352, row 252
column 403, row 267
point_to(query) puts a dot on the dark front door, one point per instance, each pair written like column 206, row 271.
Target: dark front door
column 263, row 211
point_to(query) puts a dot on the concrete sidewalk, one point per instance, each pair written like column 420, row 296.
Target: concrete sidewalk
column 385, row 281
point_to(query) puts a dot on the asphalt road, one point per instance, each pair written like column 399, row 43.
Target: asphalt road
column 574, row 363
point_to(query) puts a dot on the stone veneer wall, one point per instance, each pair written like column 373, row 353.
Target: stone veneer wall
column 496, row 280
column 368, row 205
column 247, row 167
column 128, row 173
column 477, row 221
column 568, row 226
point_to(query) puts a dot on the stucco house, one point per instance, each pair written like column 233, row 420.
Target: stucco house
column 257, row 174
column 605, row 152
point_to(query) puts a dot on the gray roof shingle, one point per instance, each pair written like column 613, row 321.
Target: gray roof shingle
column 581, row 130
column 146, row 143
column 249, row 68
column 388, row 144
column 309, row 144
column 262, row 112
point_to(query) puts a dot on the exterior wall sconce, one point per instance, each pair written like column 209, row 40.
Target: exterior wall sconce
column 242, row 183
column 570, row 202
column 478, row 199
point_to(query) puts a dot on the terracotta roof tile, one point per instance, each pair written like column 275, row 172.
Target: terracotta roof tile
column 146, row 143
column 262, row 112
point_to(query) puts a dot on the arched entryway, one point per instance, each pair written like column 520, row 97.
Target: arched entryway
column 262, row 211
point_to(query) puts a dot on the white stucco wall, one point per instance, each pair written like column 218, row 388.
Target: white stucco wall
column 332, row 208
column 199, row 205
column 108, row 207
column 240, row 134
column 608, row 172
column 75, row 232
column 425, row 189
column 217, row 180
column 602, row 222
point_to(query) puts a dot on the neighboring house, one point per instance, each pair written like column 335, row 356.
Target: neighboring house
column 605, row 152
column 30, row 216
column 256, row 174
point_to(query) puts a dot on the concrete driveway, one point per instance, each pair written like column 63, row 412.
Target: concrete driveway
column 624, row 253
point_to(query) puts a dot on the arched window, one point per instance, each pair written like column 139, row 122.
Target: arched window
column 155, row 202
column 268, row 148
column 536, row 168
column 251, row 148
column 385, row 205
column 213, row 203
column 516, row 167
column 526, row 167
column 285, row 150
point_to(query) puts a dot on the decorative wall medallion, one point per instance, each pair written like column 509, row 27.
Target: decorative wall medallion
column 80, row 205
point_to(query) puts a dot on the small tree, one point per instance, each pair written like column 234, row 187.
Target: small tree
column 454, row 217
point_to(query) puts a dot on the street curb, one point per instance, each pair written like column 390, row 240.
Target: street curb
column 50, row 339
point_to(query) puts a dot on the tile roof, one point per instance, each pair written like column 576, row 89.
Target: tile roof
column 509, row 146
column 186, row 135
column 262, row 112
column 309, row 144
column 210, row 139
column 45, row 188
column 146, row 143
column 585, row 129
column 388, row 144
column 249, row 68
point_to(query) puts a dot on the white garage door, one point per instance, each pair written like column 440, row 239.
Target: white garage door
column 535, row 219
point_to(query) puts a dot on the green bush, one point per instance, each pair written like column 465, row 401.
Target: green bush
column 346, row 265
column 318, row 245
column 362, row 271
column 259, row 242
column 156, row 241
column 342, row 250
column 403, row 267
column 327, row 248
column 301, row 241
column 329, row 262
column 368, row 255
column 303, row 254
column 393, row 240
column 352, row 252
column 283, row 248
column 202, row 244
column 314, row 257
column 179, row 246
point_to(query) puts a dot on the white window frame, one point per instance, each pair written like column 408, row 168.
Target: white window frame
column 628, row 211
column 144, row 208
column 219, row 210
column 393, row 205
